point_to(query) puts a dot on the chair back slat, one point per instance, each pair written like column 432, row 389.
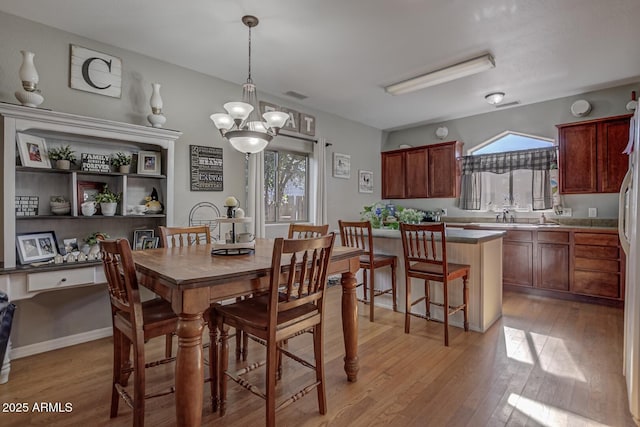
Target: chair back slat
column 307, row 231
column 357, row 234
column 303, row 279
column 122, row 281
column 424, row 243
column 185, row 236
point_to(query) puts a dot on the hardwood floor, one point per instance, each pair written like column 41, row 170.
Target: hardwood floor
column 545, row 363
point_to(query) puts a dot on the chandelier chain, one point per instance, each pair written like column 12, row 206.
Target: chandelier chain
column 249, row 78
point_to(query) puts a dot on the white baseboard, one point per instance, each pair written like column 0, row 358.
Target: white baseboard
column 41, row 347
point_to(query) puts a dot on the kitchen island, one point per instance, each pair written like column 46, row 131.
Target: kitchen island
column 481, row 249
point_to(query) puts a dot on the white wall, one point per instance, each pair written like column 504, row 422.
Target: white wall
column 536, row 119
column 189, row 98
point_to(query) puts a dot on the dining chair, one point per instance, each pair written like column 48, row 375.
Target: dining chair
column 306, row 231
column 358, row 234
column 134, row 322
column 294, row 304
column 425, row 257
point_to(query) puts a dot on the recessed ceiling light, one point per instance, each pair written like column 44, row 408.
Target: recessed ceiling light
column 494, row 98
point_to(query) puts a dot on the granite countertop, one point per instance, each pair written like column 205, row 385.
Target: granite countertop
column 532, row 226
column 454, row 235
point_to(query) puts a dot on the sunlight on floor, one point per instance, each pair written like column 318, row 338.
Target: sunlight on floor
column 548, row 415
column 549, row 352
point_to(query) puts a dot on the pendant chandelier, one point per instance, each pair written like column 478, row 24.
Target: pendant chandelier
column 241, row 125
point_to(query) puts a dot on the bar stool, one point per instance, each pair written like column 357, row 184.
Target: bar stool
column 357, row 234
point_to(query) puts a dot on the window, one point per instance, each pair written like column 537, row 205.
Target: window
column 286, row 177
column 511, row 170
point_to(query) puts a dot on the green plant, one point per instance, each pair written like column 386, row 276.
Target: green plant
column 93, row 238
column 120, row 159
column 62, row 153
column 107, row 196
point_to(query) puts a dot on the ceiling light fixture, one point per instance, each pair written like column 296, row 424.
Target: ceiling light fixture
column 242, row 126
column 494, row 98
column 463, row 69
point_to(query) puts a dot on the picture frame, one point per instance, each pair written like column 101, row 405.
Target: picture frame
column 33, row 151
column 150, row 242
column 36, row 246
column 341, row 166
column 69, row 246
column 365, row 181
column 149, row 162
column 87, row 191
column 138, row 238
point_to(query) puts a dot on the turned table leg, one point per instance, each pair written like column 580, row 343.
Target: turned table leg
column 350, row 324
column 189, row 370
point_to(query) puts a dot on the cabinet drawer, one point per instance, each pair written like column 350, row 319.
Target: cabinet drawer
column 519, row 235
column 596, row 284
column 607, row 265
column 553, row 236
column 587, row 251
column 596, row 239
column 60, row 279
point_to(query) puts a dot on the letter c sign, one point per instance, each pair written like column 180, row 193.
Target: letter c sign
column 95, row 72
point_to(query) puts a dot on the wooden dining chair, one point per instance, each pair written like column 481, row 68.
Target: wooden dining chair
column 134, row 322
column 294, row 304
column 357, row 234
column 184, row 236
column 306, row 231
column 425, row 257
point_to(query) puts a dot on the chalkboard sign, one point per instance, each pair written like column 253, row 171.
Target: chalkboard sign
column 95, row 162
column 206, row 168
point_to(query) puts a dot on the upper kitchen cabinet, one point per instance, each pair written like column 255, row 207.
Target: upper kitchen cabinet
column 422, row 172
column 590, row 156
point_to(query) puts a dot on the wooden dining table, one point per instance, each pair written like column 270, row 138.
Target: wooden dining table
column 191, row 278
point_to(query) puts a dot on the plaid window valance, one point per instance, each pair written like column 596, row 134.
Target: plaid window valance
column 536, row 159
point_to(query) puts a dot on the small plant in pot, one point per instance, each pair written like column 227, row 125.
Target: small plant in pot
column 121, row 161
column 108, row 201
column 63, row 156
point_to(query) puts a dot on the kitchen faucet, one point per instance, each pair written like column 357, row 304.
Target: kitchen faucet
column 504, row 214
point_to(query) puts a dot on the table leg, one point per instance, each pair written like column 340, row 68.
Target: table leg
column 189, row 370
column 350, row 325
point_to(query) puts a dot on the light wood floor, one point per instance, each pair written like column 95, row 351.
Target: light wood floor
column 545, row 363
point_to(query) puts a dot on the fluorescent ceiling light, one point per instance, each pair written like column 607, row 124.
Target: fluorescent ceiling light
column 444, row 75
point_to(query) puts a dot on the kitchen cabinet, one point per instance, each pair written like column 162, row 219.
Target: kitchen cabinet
column 83, row 135
column 598, row 267
column 591, row 158
column 553, row 260
column 422, row 172
column 517, row 258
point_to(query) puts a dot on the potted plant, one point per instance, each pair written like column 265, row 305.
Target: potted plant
column 121, row 161
column 63, row 156
column 108, row 201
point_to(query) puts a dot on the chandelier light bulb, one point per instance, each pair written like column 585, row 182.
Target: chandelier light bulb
column 494, row 98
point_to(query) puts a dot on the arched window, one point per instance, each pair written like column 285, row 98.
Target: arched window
column 511, row 171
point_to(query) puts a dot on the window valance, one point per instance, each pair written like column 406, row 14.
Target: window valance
column 536, row 159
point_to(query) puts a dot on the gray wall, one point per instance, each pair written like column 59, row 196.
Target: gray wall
column 189, row 98
column 535, row 119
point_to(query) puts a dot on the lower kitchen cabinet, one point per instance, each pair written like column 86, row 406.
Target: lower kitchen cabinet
column 517, row 258
column 598, row 268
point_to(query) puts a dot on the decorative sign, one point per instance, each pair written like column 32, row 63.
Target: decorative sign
column 95, row 72
column 206, row 168
column 365, row 181
column 26, row 205
column 95, row 163
column 298, row 122
column 341, row 165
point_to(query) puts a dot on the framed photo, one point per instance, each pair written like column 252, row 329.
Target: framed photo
column 149, row 162
column 150, row 242
column 87, row 191
column 33, row 151
column 365, row 181
column 35, row 247
column 139, row 236
column 70, row 245
column 341, row 165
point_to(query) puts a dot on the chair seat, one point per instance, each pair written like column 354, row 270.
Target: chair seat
column 379, row 260
column 252, row 313
column 435, row 270
column 157, row 316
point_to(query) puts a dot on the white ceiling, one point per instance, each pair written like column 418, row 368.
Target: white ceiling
column 340, row 53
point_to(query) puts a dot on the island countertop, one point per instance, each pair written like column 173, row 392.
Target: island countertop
column 454, row 235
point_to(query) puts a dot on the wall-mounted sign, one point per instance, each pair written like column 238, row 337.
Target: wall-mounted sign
column 206, row 168
column 298, row 122
column 95, row 163
column 95, row 72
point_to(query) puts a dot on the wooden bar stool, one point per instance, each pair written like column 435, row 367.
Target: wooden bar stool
column 425, row 257
column 357, row 234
